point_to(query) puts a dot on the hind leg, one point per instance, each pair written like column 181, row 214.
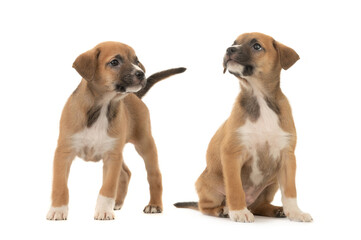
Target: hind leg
column 211, row 202
column 122, row 187
column 263, row 207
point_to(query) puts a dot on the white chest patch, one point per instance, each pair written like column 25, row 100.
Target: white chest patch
column 91, row 143
column 265, row 131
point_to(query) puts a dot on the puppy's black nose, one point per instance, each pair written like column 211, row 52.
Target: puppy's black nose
column 139, row 75
column 231, row 50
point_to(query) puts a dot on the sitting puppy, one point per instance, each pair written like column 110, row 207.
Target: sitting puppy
column 99, row 118
column 252, row 153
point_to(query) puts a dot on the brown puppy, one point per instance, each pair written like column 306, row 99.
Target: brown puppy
column 252, row 153
column 99, row 118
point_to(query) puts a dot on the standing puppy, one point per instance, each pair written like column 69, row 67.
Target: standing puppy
column 252, row 153
column 99, row 118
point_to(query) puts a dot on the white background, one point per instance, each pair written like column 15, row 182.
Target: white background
column 40, row 41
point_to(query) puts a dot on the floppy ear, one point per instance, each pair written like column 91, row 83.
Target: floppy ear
column 85, row 64
column 287, row 55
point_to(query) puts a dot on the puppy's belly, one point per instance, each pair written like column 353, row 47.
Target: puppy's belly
column 253, row 192
column 90, row 154
column 259, row 172
column 91, row 146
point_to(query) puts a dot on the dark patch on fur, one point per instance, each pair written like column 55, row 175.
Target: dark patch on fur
column 253, row 41
column 273, row 105
column 250, row 104
column 156, row 77
column 266, row 163
column 248, row 70
column 112, row 110
column 93, row 115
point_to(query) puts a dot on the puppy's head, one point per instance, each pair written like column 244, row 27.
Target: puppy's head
column 258, row 55
column 111, row 66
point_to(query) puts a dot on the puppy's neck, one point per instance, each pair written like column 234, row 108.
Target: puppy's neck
column 94, row 96
column 87, row 97
column 266, row 87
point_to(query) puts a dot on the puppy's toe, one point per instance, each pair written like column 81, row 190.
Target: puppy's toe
column 241, row 216
column 57, row 213
column 104, row 208
column 152, row 209
column 299, row 216
column 104, row 215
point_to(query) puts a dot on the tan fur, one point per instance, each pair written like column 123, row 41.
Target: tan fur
column 225, row 185
column 130, row 124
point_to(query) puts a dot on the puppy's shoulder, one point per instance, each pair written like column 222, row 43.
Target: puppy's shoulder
column 135, row 104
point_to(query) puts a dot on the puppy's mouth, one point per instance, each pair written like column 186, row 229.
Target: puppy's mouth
column 237, row 68
column 225, row 64
column 229, row 60
column 129, row 88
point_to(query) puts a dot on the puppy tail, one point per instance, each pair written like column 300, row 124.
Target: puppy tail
column 191, row 205
column 156, row 77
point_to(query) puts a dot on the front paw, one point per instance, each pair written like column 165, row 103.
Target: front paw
column 57, row 213
column 104, row 215
column 152, row 209
column 241, row 216
column 104, row 208
column 299, row 216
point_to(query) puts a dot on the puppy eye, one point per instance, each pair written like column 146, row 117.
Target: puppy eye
column 257, row 47
column 114, row 62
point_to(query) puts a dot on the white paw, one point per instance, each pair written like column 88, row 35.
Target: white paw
column 152, row 209
column 57, row 213
column 299, row 216
column 104, row 208
column 290, row 208
column 241, row 216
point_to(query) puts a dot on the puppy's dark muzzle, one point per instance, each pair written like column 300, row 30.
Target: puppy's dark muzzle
column 237, row 54
column 138, row 79
column 231, row 54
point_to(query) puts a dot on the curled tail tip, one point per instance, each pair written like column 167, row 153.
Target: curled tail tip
column 181, row 69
